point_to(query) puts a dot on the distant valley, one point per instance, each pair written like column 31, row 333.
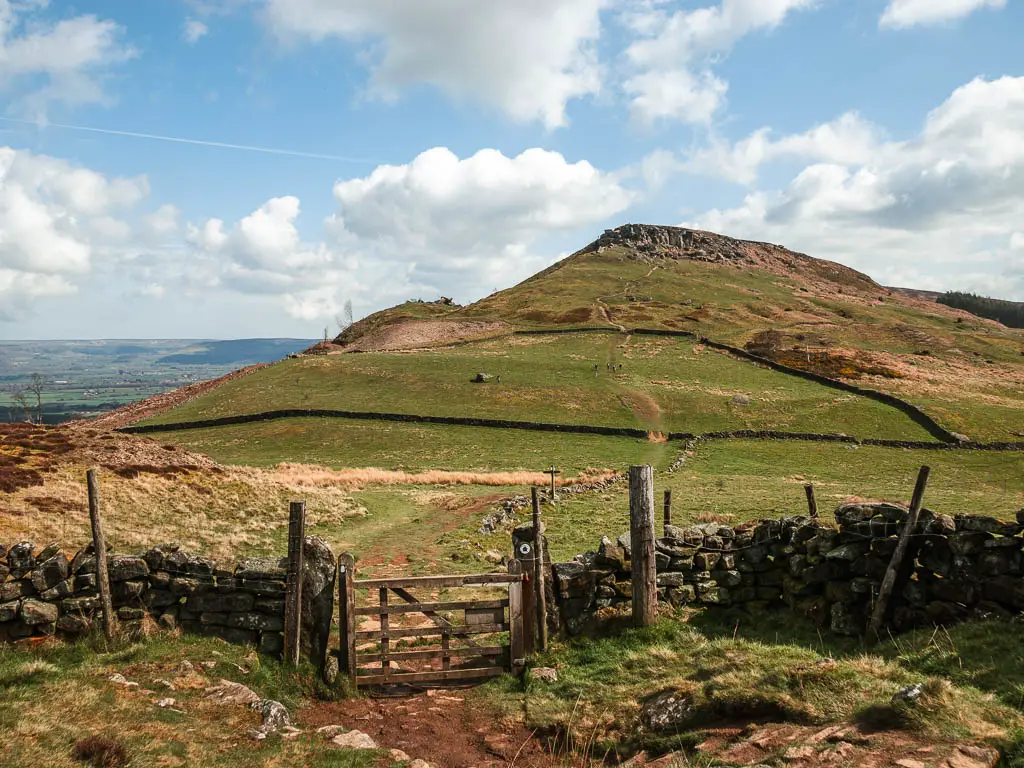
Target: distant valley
column 82, row 378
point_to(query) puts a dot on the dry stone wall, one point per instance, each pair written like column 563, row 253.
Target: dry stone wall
column 44, row 592
column 956, row 568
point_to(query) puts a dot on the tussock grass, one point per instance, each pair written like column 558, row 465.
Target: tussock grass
column 59, row 709
column 730, row 679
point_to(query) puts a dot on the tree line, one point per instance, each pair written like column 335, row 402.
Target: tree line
column 1009, row 313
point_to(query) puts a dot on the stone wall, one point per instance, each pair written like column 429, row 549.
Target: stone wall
column 44, row 592
column 956, row 568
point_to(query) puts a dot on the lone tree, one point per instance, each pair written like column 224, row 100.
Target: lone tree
column 35, row 388
column 20, row 397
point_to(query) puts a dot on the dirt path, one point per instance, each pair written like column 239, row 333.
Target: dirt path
column 441, row 726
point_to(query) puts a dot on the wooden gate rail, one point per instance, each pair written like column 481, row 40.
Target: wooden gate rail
column 483, row 617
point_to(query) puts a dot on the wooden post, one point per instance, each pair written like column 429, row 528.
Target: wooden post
column 553, row 471
column 293, row 586
column 641, row 535
column 812, row 503
column 99, row 545
column 668, row 510
column 347, row 620
column 385, row 640
column 539, row 575
column 878, row 616
column 528, row 567
column 517, row 662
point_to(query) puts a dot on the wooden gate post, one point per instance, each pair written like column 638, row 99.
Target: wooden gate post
column 668, row 510
column 878, row 616
column 517, row 654
column 812, row 503
column 99, row 545
column 293, row 585
column 347, row 618
column 641, row 535
column 524, row 555
column 539, row 576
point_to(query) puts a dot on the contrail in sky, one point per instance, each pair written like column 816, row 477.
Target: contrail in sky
column 179, row 140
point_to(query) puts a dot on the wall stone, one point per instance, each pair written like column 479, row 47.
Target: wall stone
column 956, row 568
column 42, row 593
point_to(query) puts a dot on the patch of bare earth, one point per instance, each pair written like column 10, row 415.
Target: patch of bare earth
column 836, row 745
column 412, row 334
column 440, row 726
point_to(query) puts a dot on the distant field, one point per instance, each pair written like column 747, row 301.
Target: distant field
column 663, row 384
column 87, row 377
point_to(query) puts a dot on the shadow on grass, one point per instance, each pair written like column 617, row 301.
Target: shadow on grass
column 986, row 654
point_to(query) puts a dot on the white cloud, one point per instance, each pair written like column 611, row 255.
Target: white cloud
column 264, row 254
column 470, row 223
column 900, row 14
column 69, row 57
column 672, row 61
column 54, row 219
column 193, row 31
column 526, row 58
column 926, row 211
column 846, row 140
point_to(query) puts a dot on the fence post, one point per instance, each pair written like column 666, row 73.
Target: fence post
column 347, row 620
column 293, row 586
column 641, row 535
column 540, row 576
column 517, row 662
column 99, row 545
column 812, row 503
column 878, row 616
column 524, row 555
column 668, row 510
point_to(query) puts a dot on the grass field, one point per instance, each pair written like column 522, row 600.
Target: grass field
column 740, row 480
column 664, row 384
column 341, row 443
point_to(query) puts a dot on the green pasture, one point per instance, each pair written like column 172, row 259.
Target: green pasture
column 663, row 385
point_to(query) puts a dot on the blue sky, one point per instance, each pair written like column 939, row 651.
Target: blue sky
column 457, row 146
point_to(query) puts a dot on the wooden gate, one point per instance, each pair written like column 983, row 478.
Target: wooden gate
column 415, row 643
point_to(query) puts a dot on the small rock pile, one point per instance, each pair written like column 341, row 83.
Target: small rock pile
column 956, row 568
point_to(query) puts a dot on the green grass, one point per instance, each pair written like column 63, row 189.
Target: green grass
column 740, row 480
column 731, row 672
column 339, row 443
column 664, row 384
column 57, row 694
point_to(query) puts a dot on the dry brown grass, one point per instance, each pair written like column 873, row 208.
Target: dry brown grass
column 299, row 476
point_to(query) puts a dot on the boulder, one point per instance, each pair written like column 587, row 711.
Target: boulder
column 273, row 716
column 20, row 558
column 9, row 611
column 126, row 568
column 256, row 621
column 262, row 569
column 318, row 575
column 12, row 590
column 227, row 692
column 50, row 572
column 667, row 711
column 611, row 555
column 354, row 740
column 35, row 612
